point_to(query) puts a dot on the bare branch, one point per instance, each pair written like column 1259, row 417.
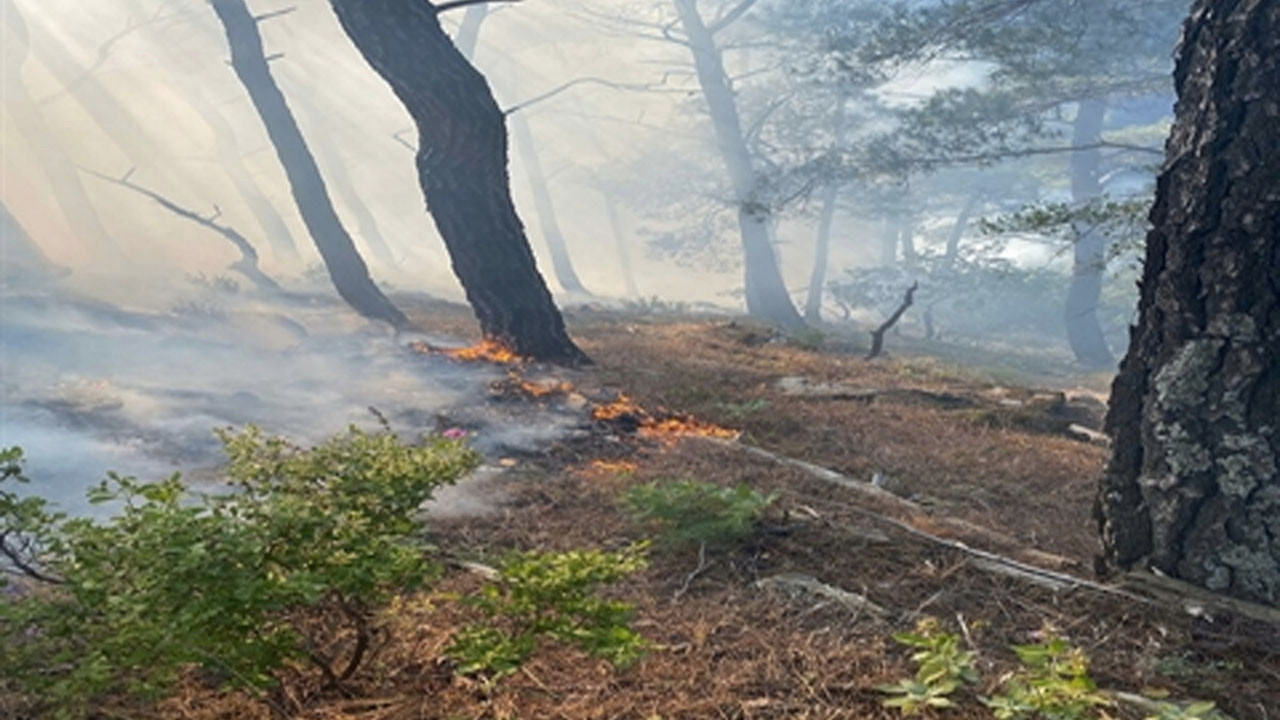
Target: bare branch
column 455, row 4
column 632, row 87
column 19, row 558
column 248, row 263
column 274, row 14
column 1028, row 152
column 877, row 335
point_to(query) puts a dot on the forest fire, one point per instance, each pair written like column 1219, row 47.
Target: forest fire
column 630, row 417
column 487, row 350
column 515, row 384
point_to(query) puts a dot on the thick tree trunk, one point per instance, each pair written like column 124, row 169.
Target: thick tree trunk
column 462, row 168
column 561, row 263
column 466, row 40
column 1090, row 251
column 64, row 180
column 1193, row 486
column 821, row 252
column 766, row 292
column 346, row 268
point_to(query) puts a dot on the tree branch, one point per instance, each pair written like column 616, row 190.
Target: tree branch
column 731, row 17
column 633, row 87
column 455, row 4
column 248, row 263
column 24, row 566
column 1027, row 152
column 877, row 335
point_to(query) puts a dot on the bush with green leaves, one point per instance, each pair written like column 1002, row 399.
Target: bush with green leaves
column 551, row 595
column 1053, row 684
column 942, row 667
column 231, row 581
column 691, row 512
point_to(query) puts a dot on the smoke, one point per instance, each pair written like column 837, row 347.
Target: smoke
column 89, row 386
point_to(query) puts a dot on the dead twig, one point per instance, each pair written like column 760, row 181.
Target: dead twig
column 702, row 565
column 877, row 335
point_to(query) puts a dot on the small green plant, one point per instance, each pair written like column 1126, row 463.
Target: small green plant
column 808, row 339
column 288, row 570
column 738, row 411
column 691, row 512
column 551, row 595
column 1053, row 684
column 942, row 667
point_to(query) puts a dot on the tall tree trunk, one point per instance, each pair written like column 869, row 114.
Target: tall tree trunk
column 561, row 264
column 821, row 252
column 346, row 268
column 469, row 30
column 907, row 238
column 620, row 243
column 64, row 180
column 1193, row 485
column 331, row 156
column 766, row 292
column 822, row 241
column 1090, row 250
column 952, row 252
column 462, row 168
column 466, row 40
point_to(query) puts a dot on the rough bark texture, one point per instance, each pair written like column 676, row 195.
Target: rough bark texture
column 1090, row 250
column 766, row 292
column 346, row 268
column 1193, row 486
column 462, row 168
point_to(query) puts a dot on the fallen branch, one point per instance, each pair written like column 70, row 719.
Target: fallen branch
column 877, row 335
column 702, row 565
column 795, row 583
column 247, row 265
column 1008, row 566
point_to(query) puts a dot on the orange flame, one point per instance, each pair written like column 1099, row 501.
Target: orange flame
column 538, row 390
column 487, row 350
column 670, row 425
column 613, row 466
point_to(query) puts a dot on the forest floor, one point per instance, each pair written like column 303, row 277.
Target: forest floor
column 962, row 458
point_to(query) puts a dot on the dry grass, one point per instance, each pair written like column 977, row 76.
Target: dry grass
column 725, row 649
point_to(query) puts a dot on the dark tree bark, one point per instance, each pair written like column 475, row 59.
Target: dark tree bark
column 462, row 168
column 1090, row 249
column 1193, row 485
column 346, row 268
column 465, row 40
column 766, row 292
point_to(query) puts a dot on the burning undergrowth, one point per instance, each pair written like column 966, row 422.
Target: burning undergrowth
column 626, row 416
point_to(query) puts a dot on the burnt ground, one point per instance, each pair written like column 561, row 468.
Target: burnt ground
column 997, row 467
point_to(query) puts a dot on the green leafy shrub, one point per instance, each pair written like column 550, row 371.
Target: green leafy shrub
column 551, row 595
column 233, row 582
column 941, row 668
column 1201, row 710
column 1053, row 684
column 690, row 512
